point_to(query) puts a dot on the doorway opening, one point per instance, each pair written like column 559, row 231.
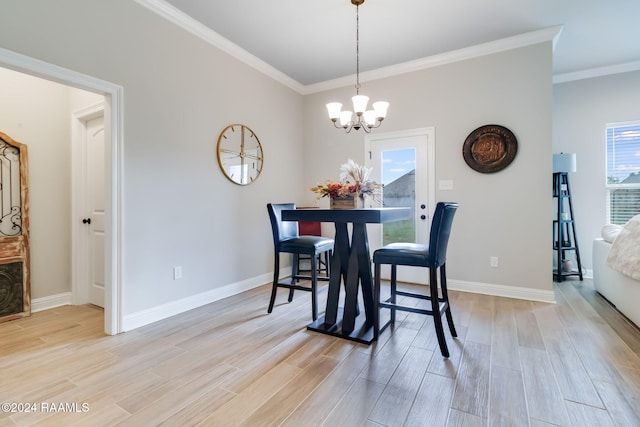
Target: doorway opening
column 113, row 125
column 404, row 162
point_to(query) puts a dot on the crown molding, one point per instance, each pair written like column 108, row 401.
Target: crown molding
column 501, row 45
column 596, row 72
column 174, row 15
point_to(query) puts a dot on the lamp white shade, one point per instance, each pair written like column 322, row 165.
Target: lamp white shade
column 564, row 162
column 380, row 108
column 333, row 108
column 345, row 117
column 360, row 103
column 370, row 117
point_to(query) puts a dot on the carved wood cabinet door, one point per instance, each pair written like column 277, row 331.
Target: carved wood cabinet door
column 15, row 295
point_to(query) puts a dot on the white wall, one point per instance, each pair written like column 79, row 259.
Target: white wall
column 505, row 214
column 179, row 93
column 581, row 110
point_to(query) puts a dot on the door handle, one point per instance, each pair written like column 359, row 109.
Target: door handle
column 86, row 221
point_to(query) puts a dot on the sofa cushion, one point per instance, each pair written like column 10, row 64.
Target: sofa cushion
column 610, row 232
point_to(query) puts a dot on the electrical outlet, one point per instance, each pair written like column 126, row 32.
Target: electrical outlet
column 177, row 272
column 493, row 261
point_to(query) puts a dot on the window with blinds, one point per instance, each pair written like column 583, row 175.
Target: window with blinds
column 623, row 171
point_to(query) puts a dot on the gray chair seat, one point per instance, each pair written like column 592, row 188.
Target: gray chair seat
column 307, row 245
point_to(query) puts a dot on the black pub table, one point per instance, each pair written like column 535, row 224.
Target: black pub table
column 351, row 265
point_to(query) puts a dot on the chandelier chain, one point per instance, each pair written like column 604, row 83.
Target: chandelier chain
column 357, row 49
column 364, row 119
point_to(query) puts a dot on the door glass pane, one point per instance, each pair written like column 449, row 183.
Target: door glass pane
column 399, row 179
column 10, row 195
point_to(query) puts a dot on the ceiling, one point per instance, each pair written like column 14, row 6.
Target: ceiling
column 314, row 41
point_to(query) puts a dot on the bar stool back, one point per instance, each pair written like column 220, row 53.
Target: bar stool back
column 432, row 256
column 287, row 240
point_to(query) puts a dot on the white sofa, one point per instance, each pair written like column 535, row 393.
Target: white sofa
column 622, row 291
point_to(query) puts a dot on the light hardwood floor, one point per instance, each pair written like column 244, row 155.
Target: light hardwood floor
column 515, row 363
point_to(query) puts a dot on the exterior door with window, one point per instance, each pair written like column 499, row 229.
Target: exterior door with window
column 15, row 295
column 404, row 163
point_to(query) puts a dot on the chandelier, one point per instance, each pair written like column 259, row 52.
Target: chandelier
column 365, row 119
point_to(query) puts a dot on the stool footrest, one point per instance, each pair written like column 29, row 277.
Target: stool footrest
column 442, row 306
column 297, row 287
column 320, row 278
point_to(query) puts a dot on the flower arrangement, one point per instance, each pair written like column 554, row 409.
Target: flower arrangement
column 354, row 180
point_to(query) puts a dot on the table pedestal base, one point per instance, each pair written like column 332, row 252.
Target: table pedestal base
column 362, row 332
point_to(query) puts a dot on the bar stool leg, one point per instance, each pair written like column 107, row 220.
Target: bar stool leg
column 445, row 296
column 435, row 307
column 276, row 278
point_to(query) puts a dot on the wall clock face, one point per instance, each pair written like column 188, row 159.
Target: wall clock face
column 239, row 154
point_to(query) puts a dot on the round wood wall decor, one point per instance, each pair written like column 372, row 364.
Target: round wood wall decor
column 490, row 148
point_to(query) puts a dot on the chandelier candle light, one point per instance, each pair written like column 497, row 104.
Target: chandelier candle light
column 365, row 119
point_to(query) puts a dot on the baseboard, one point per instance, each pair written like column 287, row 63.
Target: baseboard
column 145, row 317
column 502, row 291
column 52, row 301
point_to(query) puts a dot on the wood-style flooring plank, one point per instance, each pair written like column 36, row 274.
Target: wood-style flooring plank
column 397, row 398
column 432, row 402
column 507, row 400
column 356, row 405
column 504, row 339
column 543, row 394
column 275, row 410
column 472, row 384
column 314, row 409
column 621, row 412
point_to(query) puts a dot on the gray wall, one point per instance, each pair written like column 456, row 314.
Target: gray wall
column 179, row 93
column 505, row 214
column 581, row 110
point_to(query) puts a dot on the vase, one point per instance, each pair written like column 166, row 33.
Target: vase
column 350, row 201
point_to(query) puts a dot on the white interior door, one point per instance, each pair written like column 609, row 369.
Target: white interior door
column 96, row 204
column 404, row 163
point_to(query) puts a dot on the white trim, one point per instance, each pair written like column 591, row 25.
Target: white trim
column 52, row 301
column 176, row 16
column 502, row 291
column 497, row 46
column 114, row 176
column 596, row 72
column 154, row 314
column 164, row 311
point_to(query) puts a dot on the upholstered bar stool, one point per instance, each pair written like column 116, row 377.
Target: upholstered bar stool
column 433, row 257
column 287, row 240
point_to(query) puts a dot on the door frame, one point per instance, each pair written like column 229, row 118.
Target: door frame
column 114, row 176
column 79, row 238
column 429, row 173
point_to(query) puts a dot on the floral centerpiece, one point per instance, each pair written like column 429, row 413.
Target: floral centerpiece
column 353, row 186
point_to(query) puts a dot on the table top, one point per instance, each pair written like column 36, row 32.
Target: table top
column 368, row 215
